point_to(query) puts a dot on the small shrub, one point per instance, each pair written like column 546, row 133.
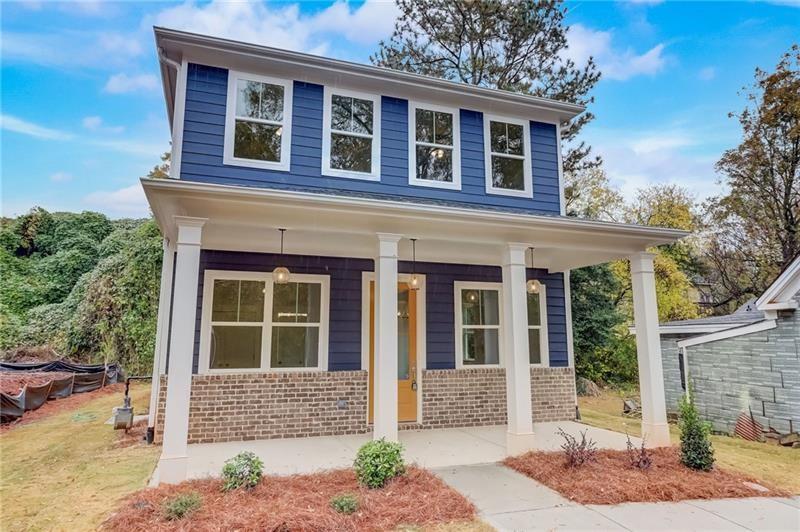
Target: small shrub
column 379, row 461
column 345, row 503
column 639, row 457
column 182, row 505
column 242, row 471
column 578, row 453
column 696, row 450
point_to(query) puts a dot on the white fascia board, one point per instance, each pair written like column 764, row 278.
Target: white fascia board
column 691, row 329
column 179, row 41
column 729, row 333
column 782, row 290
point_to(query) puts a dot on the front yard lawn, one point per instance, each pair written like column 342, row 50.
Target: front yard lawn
column 67, row 471
column 772, row 464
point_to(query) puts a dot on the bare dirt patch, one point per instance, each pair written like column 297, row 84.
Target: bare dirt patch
column 300, row 502
column 56, row 406
column 12, row 382
column 133, row 436
column 611, row 479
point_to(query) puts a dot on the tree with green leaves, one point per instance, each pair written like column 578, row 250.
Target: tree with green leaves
column 514, row 46
column 755, row 227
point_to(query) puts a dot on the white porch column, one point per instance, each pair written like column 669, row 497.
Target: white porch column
column 648, row 349
column 515, row 351
column 385, row 377
column 173, row 462
column 162, row 324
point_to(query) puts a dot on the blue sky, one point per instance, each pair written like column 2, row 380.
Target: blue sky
column 83, row 116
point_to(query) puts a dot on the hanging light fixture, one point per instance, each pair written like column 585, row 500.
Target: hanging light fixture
column 533, row 285
column 414, row 282
column 280, row 275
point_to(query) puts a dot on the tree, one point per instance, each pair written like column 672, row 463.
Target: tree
column 514, row 46
column 755, row 228
column 161, row 171
column 589, row 194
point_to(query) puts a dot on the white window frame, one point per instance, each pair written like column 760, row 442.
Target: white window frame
column 544, row 344
column 460, row 286
column 230, row 122
column 527, row 192
column 266, row 336
column 375, row 174
column 412, row 146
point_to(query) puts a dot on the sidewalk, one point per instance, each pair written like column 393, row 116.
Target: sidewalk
column 508, row 500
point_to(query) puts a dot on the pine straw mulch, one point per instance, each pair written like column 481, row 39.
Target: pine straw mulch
column 299, row 502
column 56, row 406
column 612, row 480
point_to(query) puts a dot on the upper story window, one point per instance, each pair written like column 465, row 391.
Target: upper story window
column 250, row 323
column 258, row 121
column 434, row 146
column 477, row 309
column 351, row 135
column 508, row 158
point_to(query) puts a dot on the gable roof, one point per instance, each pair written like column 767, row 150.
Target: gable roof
column 779, row 295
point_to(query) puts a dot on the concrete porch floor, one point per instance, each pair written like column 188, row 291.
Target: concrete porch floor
column 435, row 448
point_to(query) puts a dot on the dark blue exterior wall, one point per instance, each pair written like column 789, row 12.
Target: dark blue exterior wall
column 204, row 125
column 344, row 349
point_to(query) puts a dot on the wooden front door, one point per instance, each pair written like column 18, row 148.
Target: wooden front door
column 406, row 351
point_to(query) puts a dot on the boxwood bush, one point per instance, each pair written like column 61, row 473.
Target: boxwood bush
column 379, row 461
column 242, row 471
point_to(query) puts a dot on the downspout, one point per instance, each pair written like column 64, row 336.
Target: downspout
column 176, row 112
column 685, row 356
column 162, row 57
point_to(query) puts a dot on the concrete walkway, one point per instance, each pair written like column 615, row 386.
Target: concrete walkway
column 508, row 500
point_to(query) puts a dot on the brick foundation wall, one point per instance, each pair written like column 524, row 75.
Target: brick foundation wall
column 273, row 405
column 301, row 404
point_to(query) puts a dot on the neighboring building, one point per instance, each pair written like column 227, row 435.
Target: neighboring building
column 413, row 300
column 747, row 361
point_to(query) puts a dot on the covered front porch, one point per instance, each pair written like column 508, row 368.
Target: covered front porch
column 356, row 253
column 427, row 448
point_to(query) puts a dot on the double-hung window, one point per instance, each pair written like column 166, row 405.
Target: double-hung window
column 351, row 135
column 250, row 323
column 537, row 328
column 434, row 146
column 508, row 159
column 477, row 317
column 258, row 121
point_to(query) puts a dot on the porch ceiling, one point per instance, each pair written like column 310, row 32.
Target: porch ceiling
column 246, row 219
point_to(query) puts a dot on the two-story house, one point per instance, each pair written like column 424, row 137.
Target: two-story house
column 351, row 249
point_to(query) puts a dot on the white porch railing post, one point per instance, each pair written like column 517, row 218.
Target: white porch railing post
column 162, row 323
column 385, row 378
column 515, row 351
column 172, row 467
column 648, row 350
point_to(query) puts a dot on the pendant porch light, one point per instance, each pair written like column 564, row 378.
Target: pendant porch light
column 280, row 275
column 414, row 281
column 533, row 285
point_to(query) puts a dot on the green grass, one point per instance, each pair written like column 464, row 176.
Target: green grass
column 773, row 464
column 65, row 472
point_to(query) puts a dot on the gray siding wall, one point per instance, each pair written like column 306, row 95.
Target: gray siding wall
column 672, row 371
column 759, row 371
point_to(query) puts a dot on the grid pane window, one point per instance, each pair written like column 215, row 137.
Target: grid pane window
column 258, row 120
column 480, row 326
column 535, row 330
column 434, row 145
column 296, row 310
column 352, row 127
column 507, row 143
column 237, row 315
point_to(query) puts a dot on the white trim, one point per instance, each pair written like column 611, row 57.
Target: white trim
column 375, row 174
column 458, row 287
column 455, row 184
column 267, row 324
column 527, row 181
column 780, row 293
column 422, row 340
column 694, row 329
column 729, row 333
column 568, row 315
column 561, row 198
column 176, row 149
column 544, row 343
column 230, row 122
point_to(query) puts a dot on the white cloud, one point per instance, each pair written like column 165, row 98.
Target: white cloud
column 61, row 177
column 707, row 73
column 613, row 63
column 71, row 48
column 282, row 26
column 128, row 201
column 123, row 83
column 95, row 123
column 18, row 125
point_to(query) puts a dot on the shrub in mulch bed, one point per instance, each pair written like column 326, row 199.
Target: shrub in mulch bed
column 610, row 479
column 299, row 502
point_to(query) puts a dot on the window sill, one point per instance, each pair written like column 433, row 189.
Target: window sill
column 449, row 185
column 508, row 192
column 252, row 163
column 332, row 172
column 257, row 371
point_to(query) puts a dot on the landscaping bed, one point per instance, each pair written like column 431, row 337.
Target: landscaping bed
column 610, row 478
column 299, row 502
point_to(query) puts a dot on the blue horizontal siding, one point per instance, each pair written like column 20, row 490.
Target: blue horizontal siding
column 203, row 138
column 344, row 339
